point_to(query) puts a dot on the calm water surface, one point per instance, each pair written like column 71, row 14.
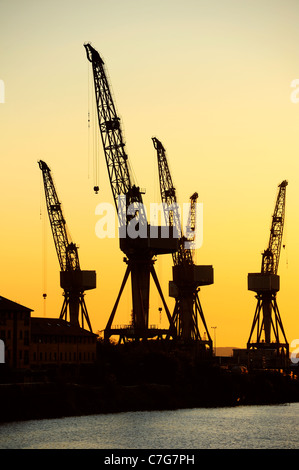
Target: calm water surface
column 251, row 427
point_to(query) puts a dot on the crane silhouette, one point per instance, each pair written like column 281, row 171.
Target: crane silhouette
column 73, row 280
column 140, row 248
column 267, row 324
column 187, row 276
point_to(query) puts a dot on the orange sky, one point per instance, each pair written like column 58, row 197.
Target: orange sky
column 212, row 81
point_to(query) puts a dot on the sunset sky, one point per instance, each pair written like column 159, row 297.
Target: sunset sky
column 211, row 79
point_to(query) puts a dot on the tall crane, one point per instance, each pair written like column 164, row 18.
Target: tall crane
column 73, row 280
column 187, row 277
column 140, row 248
column 266, row 284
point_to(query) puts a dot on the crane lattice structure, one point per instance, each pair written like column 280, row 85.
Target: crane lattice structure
column 140, row 250
column 187, row 277
column 73, row 280
column 267, row 324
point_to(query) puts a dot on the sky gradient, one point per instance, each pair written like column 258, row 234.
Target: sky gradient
column 212, row 81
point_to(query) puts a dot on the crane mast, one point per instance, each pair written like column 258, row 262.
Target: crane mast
column 140, row 250
column 187, row 277
column 267, row 324
column 73, row 280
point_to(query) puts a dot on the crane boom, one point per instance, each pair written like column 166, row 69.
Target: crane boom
column 271, row 255
column 120, row 177
column 168, row 197
column 66, row 250
column 191, row 225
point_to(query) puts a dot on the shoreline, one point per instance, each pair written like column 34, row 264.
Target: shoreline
column 33, row 401
column 140, row 377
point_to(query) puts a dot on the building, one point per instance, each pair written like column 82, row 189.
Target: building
column 55, row 341
column 15, row 332
column 32, row 342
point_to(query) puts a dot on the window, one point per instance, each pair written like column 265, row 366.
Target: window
column 26, row 357
column 26, row 337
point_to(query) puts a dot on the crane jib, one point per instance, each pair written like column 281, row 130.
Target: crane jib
column 271, row 255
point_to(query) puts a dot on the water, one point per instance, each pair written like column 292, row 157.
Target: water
column 251, row 427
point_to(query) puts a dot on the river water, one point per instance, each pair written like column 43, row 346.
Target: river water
column 244, row 427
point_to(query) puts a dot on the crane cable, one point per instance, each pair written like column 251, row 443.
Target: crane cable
column 93, row 137
column 285, row 244
column 88, row 129
column 43, row 211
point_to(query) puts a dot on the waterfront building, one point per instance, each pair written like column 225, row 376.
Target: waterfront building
column 33, row 342
column 15, row 332
column 56, row 341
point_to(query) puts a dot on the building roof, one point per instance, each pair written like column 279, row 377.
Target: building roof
column 9, row 305
column 55, row 326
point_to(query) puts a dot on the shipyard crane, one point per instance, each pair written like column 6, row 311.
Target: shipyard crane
column 187, row 277
column 266, row 284
column 73, row 280
column 135, row 234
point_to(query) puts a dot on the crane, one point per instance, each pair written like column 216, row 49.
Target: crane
column 141, row 248
column 73, row 280
column 266, row 284
column 187, row 277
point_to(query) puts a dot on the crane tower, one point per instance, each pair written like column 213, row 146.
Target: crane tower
column 267, row 324
column 73, row 280
column 187, row 277
column 141, row 249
